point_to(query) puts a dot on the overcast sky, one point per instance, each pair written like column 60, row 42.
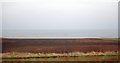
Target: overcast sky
column 60, row 18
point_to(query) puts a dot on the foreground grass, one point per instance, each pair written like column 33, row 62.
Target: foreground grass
column 54, row 55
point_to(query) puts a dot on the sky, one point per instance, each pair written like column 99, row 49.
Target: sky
column 0, row 20
column 59, row 18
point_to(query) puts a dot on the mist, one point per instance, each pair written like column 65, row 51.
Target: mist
column 60, row 18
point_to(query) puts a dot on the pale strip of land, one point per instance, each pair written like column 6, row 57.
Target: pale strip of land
column 50, row 55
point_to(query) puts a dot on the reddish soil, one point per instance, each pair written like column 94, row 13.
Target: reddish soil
column 59, row 45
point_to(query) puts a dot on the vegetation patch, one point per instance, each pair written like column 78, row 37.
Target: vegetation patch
column 16, row 55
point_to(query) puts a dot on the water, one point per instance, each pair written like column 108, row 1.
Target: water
column 60, row 33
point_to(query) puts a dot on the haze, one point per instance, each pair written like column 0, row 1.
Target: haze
column 60, row 18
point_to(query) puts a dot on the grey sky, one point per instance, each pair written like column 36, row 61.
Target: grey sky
column 0, row 20
column 60, row 18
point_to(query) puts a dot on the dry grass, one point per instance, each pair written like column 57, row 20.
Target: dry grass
column 50, row 55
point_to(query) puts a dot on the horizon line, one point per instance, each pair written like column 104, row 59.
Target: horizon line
column 53, row 37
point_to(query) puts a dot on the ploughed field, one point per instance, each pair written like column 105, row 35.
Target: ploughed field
column 59, row 45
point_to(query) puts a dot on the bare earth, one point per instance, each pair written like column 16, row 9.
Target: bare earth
column 59, row 45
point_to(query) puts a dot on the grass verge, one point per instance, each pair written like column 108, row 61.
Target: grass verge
column 17, row 55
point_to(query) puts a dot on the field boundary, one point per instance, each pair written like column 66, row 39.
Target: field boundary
column 16, row 55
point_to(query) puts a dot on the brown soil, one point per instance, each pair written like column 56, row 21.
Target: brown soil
column 59, row 45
